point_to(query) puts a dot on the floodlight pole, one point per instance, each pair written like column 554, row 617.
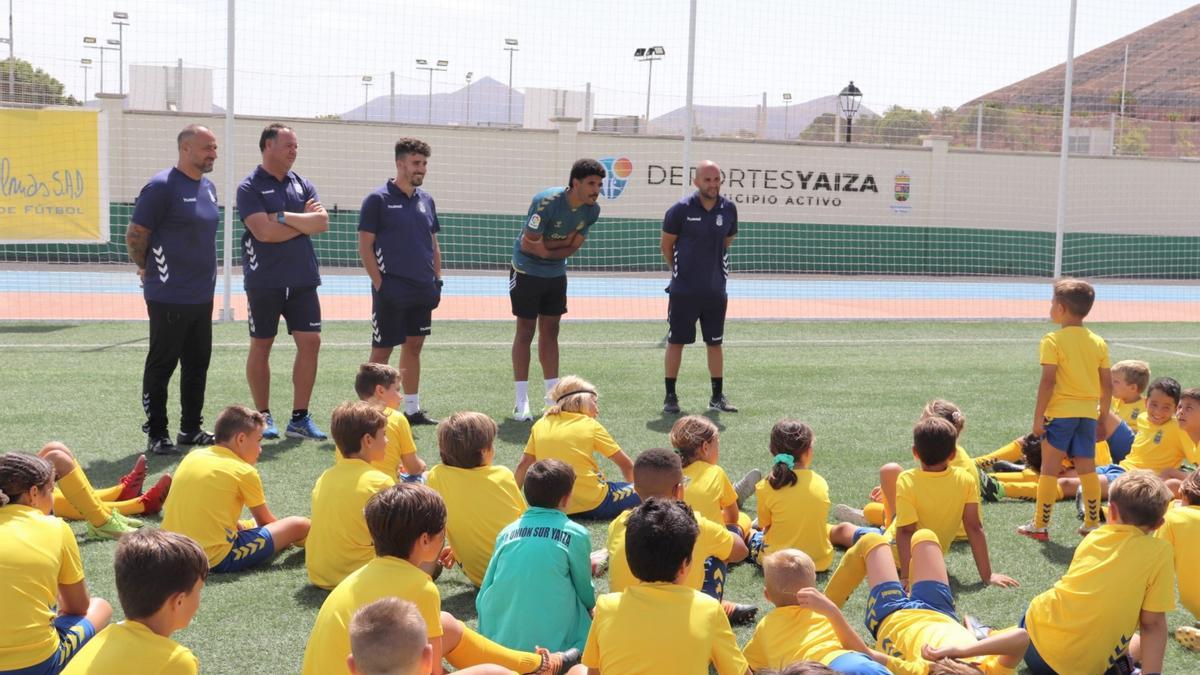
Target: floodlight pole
column 120, row 24
column 12, row 59
column 510, row 47
column 85, row 64
column 438, row 66
column 231, row 148
column 1060, row 221
column 650, row 55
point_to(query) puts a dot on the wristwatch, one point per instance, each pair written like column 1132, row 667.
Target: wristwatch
column 280, row 216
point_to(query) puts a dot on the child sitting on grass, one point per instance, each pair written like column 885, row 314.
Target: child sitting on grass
column 379, row 385
column 793, row 503
column 706, row 486
column 1182, row 530
column 388, row 637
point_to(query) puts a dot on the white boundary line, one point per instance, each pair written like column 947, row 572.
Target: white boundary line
column 140, row 343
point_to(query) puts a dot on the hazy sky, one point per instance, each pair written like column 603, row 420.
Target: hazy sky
column 306, row 57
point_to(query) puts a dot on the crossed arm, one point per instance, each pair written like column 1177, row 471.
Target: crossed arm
column 266, row 227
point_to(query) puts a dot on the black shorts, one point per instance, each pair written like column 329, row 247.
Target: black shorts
column 392, row 324
column 684, row 310
column 537, row 296
column 300, row 307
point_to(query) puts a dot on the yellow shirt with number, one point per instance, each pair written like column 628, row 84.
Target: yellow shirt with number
column 329, row 642
column 572, row 438
column 1182, row 530
column 1129, row 413
column 37, row 553
column 796, row 516
column 706, row 488
column 712, row 541
column 654, row 628
column 1094, row 609
column 1156, row 446
column 1078, row 355
column 934, row 500
column 131, row 647
column 479, row 502
column 789, row 634
column 399, row 443
column 339, row 542
column 208, row 492
column 902, row 634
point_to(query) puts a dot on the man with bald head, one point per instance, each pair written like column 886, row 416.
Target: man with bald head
column 697, row 232
column 172, row 240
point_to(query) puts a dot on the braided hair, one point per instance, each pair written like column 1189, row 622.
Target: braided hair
column 20, row 472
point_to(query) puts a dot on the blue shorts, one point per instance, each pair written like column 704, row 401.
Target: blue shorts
column 300, row 307
column 756, row 544
column 620, row 496
column 73, row 633
column 683, row 311
column 860, row 531
column 1075, row 436
column 1120, row 442
column 1033, row 660
column 889, row 597
column 856, row 663
column 1110, row 471
column 715, row 572
column 250, row 548
column 412, row 478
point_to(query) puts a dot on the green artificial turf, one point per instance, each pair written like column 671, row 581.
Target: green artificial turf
column 859, row 385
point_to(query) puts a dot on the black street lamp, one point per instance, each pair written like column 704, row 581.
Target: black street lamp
column 848, row 101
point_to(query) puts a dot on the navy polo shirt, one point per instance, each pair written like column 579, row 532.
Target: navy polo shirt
column 701, row 263
column 285, row 264
column 182, row 216
column 403, row 227
column 551, row 215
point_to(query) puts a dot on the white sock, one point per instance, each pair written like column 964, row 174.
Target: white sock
column 522, row 399
column 550, row 383
column 412, row 403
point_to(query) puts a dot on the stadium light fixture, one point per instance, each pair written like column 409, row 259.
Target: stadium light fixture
column 848, row 102
column 366, row 82
column 787, row 101
column 649, row 55
column 86, row 65
column 122, row 20
column 469, row 76
column 510, row 46
column 90, row 42
column 422, row 64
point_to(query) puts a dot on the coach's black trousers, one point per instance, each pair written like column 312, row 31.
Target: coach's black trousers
column 179, row 334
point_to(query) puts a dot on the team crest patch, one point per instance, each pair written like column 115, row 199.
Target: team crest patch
column 1158, row 437
column 720, row 220
column 421, row 207
column 617, row 170
column 534, row 221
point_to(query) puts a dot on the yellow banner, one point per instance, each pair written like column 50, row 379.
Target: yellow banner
column 51, row 185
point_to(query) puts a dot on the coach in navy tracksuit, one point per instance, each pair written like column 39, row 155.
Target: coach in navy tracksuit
column 282, row 213
column 172, row 239
column 697, row 233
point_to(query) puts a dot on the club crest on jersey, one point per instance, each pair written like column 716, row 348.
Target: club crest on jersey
column 421, row 207
column 720, row 220
column 617, row 170
column 1158, row 437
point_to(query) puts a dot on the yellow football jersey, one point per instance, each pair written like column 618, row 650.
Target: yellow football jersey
column 131, row 647
column 1156, row 446
column 706, row 488
column 480, row 502
column 796, row 517
column 1182, row 530
column 1078, row 355
column 208, row 492
column 338, row 542
column 789, row 634
column 713, row 541
column 1129, row 412
column 399, row 442
column 902, row 634
column 934, row 500
column 572, row 438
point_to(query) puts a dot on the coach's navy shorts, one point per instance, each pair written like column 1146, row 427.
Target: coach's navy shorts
column 300, row 307
column 683, row 311
column 397, row 315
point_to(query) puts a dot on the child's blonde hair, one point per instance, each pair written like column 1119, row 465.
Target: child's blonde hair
column 946, row 410
column 689, row 433
column 1189, row 490
column 785, row 572
column 1141, row 497
column 1134, row 372
column 387, row 636
column 571, row 394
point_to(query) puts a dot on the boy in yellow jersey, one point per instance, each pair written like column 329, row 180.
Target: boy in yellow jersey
column 657, row 473
column 569, row 431
column 408, row 527
column 40, row 571
column 388, row 637
column 211, row 487
column 1120, row 580
column 1076, row 385
column 1182, row 529
column 918, row 627
column 660, row 625
column 1161, row 445
column 379, row 385
column 805, row 625
column 159, row 575
column 482, row 498
column 1129, row 381
column 338, row 542
column 936, row 497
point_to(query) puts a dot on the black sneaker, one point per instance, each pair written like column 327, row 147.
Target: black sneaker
column 722, row 404
column 420, row 417
column 990, row 489
column 671, row 404
column 197, row 437
column 1004, row 466
column 162, row 445
column 738, row 613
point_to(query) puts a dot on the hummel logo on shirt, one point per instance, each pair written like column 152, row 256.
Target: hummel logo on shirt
column 395, row 206
column 189, row 200
column 267, row 192
column 694, row 220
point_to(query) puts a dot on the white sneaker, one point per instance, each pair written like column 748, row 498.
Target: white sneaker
column 522, row 414
column 844, row 513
